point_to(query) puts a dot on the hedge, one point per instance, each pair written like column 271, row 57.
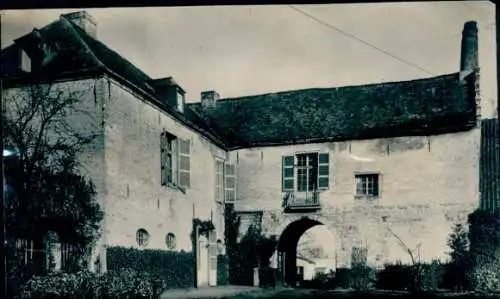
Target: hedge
column 125, row 283
column 176, row 268
column 222, row 270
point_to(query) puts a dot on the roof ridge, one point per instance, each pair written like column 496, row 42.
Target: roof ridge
column 80, row 32
column 332, row 88
column 85, row 45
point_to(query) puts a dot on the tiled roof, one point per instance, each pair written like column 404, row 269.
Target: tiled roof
column 420, row 107
column 77, row 51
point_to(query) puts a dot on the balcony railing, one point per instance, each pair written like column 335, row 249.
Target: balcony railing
column 299, row 201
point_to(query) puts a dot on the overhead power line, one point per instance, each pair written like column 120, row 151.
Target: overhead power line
column 367, row 43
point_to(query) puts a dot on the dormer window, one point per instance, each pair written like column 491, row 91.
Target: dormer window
column 25, row 62
column 180, row 101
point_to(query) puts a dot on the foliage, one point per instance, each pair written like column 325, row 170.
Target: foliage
column 125, row 283
column 362, row 277
column 400, row 277
column 253, row 250
column 484, row 235
column 484, row 238
column 176, row 268
column 45, row 190
column 455, row 276
column 394, row 277
column 222, row 270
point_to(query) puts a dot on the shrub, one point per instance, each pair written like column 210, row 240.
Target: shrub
column 343, row 278
column 394, row 277
column 323, row 281
column 430, row 277
column 222, row 270
column 362, row 277
column 267, row 277
column 86, row 285
column 486, row 277
column 176, row 268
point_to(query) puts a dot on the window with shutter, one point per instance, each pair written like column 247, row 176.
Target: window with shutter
column 184, row 163
column 163, row 158
column 288, row 173
column 230, row 183
column 323, row 170
column 219, row 180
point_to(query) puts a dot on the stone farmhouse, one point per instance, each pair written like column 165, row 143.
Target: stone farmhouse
column 372, row 163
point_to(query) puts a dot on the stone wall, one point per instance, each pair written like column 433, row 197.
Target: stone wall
column 135, row 197
column 426, row 185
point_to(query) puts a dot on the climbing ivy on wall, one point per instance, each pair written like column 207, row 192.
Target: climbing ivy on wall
column 253, row 250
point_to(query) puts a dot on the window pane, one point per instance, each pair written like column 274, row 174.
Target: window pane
column 288, row 161
column 229, row 169
column 323, row 170
column 323, row 158
column 323, row 182
column 230, row 182
column 301, row 160
column 288, row 184
column 288, row 172
column 184, row 179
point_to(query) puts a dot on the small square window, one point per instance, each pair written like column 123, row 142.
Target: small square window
column 367, row 185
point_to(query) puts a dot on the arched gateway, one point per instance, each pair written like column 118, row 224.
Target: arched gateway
column 287, row 247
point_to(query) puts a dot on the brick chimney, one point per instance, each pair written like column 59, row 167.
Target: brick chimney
column 83, row 20
column 209, row 99
column 469, row 60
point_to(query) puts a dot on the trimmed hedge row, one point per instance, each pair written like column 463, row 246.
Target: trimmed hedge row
column 431, row 277
column 176, row 268
column 125, row 283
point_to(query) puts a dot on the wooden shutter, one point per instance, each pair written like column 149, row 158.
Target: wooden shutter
column 184, row 163
column 288, row 173
column 323, row 171
column 163, row 158
column 230, row 183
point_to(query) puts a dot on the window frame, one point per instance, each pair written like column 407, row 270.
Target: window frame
column 144, row 232
column 219, row 180
column 296, row 168
column 366, row 193
column 170, row 241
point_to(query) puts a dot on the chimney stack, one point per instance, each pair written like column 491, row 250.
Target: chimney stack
column 469, row 60
column 209, row 99
column 83, row 20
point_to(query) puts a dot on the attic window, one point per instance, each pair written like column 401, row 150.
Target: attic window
column 180, row 101
column 25, row 62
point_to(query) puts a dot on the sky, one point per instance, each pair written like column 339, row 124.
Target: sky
column 245, row 50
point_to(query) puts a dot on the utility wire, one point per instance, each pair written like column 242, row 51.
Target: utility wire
column 367, row 43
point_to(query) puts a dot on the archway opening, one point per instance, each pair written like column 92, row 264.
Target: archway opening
column 287, row 248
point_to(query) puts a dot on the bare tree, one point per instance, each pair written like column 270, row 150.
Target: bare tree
column 38, row 123
column 414, row 255
column 48, row 125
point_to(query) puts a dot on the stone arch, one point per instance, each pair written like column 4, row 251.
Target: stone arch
column 289, row 233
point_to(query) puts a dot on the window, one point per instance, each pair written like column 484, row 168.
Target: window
column 142, row 237
column 180, row 102
column 170, row 241
column 367, row 185
column 305, row 172
column 230, row 183
column 175, row 161
column 219, row 180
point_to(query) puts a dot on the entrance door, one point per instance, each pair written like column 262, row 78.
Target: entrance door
column 203, row 261
column 212, row 255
